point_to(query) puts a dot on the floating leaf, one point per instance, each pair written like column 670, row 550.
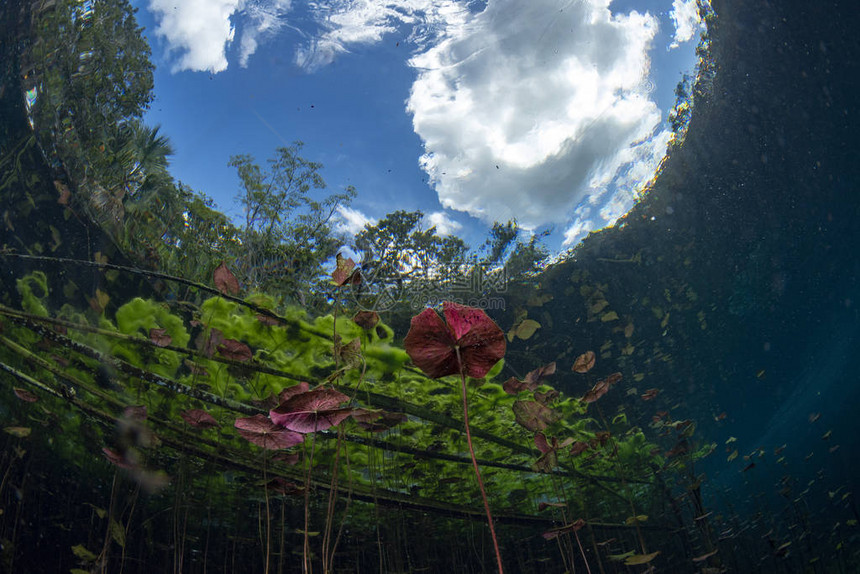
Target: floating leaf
column 620, row 557
column 259, row 430
column 199, row 418
column 25, row 395
column 289, row 392
column 536, row 377
column 367, row 320
column 116, row 459
column 533, row 415
column 311, row 411
column 135, row 412
column 514, row 386
column 704, row 557
column 578, row 448
column 433, row 344
column 547, row 397
column 650, row 394
column 584, row 362
column 159, row 337
column 572, row 527
column 280, row 485
column 732, row 456
column 544, row 505
column 631, row 520
column 525, row 329
column 235, row 350
column 637, row 559
column 19, row 432
column 345, row 272
column 225, row 281
column 609, row 316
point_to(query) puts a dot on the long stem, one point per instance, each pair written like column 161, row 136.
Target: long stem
column 475, row 463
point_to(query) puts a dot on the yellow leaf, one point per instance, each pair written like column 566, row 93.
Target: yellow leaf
column 631, row 520
column 609, row 316
column 637, row 559
column 732, row 456
column 598, row 306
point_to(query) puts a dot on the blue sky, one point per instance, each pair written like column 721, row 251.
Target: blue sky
column 551, row 112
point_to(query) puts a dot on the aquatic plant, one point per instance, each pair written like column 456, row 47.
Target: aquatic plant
column 469, row 343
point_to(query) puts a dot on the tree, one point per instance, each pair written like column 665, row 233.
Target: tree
column 287, row 234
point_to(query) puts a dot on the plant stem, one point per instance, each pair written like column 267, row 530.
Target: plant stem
column 475, row 464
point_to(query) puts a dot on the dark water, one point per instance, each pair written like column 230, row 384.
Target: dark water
column 737, row 277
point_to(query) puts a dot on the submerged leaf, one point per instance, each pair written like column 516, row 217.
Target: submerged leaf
column 25, row 395
column 225, row 281
column 572, row 527
column 235, row 350
column 199, row 418
column 82, row 553
column 366, row 319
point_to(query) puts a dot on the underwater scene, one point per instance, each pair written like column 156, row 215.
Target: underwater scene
column 408, row 286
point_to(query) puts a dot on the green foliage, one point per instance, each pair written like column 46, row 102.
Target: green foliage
column 33, row 289
column 287, row 234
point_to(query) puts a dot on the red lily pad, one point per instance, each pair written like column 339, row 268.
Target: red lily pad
column 199, row 418
column 556, row 532
column 159, row 337
column 25, row 395
column 533, row 415
column 600, row 388
column 584, row 362
column 290, row 392
column 432, row 343
column 259, row 430
column 225, row 281
column 514, row 386
column 547, row 397
column 235, row 350
column 311, row 411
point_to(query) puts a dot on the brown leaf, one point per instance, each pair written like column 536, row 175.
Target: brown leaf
column 533, row 415
column 25, row 395
column 584, row 362
column 159, row 337
column 235, row 350
column 225, row 281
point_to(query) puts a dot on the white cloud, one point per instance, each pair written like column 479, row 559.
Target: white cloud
column 198, row 29
column 685, row 15
column 351, row 221
column 526, row 111
column 443, row 223
column 346, row 23
column 198, row 32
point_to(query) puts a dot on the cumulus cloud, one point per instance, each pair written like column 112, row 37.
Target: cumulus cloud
column 351, row 221
column 345, row 23
column 526, row 111
column 198, row 32
column 443, row 223
column 685, row 15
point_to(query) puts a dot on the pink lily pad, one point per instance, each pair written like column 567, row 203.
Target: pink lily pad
column 432, row 344
column 259, row 430
column 311, row 411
